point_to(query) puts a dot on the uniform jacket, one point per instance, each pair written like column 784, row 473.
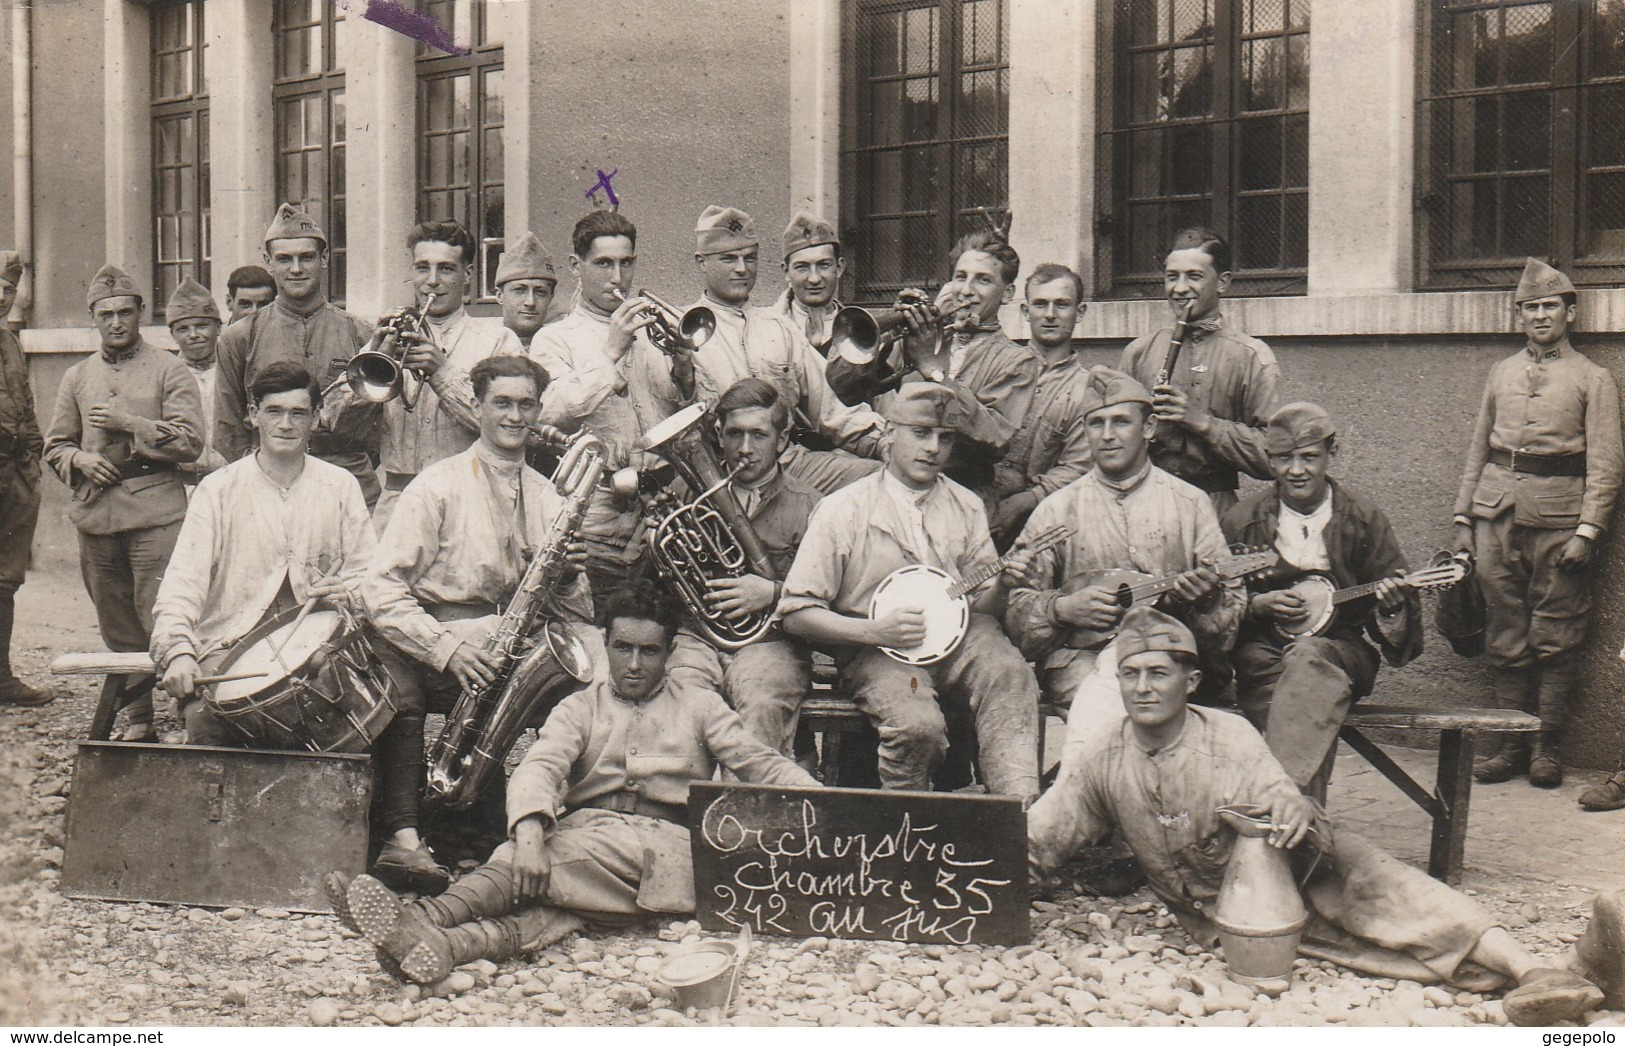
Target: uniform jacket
column 445, row 420
column 780, row 519
column 1051, row 449
column 155, row 386
column 322, row 342
column 1231, row 374
column 1361, row 545
column 1561, row 404
column 17, row 418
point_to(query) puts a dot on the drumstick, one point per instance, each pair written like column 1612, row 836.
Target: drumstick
column 230, row 677
column 276, row 648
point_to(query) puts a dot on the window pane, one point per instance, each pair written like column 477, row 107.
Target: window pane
column 1295, row 231
column 1605, row 215
column 1190, row 88
column 1258, row 232
column 1296, row 73
column 1193, row 19
column 886, row 44
column 1261, row 75
column 1525, row 216
column 1528, row 132
column 982, row 107
column 1606, row 40
column 1295, row 151
column 1605, row 124
column 1264, row 16
column 1260, row 160
column 919, row 110
column 979, row 32
column 1527, row 43
column 1190, row 163
column 920, row 40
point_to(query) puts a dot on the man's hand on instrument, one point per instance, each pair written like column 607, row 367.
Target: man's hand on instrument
column 913, row 306
column 420, row 354
column 735, row 597
column 473, row 667
column 1576, row 553
column 1390, row 593
column 96, row 468
column 904, row 627
column 631, row 316
column 1284, row 606
column 1291, row 815
column 1096, row 608
column 682, row 373
column 1197, row 584
column 532, row 863
column 329, row 588
column 111, row 419
column 179, row 677
column 1018, row 572
column 1174, row 407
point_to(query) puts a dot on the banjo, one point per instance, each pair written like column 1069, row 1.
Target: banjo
column 1133, row 587
column 1322, row 598
column 944, row 600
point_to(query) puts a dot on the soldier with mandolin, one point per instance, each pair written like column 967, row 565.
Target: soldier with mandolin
column 1303, row 657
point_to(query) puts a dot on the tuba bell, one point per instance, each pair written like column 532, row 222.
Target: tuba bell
column 706, row 538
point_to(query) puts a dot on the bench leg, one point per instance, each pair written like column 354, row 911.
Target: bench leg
column 829, row 760
column 1455, row 784
column 116, row 693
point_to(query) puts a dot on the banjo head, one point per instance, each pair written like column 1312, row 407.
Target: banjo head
column 946, row 617
column 1317, row 591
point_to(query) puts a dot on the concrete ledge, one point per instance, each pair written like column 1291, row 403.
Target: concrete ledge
column 1423, row 314
column 81, row 341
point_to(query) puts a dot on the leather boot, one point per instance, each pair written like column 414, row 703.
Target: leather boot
column 488, row 892
column 14, row 691
column 1510, row 755
column 1609, row 795
column 1546, row 995
column 1557, row 682
column 428, row 954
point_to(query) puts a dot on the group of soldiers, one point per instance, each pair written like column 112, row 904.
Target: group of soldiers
column 247, row 477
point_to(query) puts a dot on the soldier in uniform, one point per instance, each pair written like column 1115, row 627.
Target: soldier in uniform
column 194, row 322
column 1297, row 692
column 303, row 327
column 813, row 267
column 125, row 418
column 1542, row 472
column 1211, row 414
column 834, row 444
column 20, row 444
column 249, row 289
column 525, row 284
column 1051, row 449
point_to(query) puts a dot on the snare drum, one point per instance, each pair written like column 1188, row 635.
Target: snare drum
column 324, row 688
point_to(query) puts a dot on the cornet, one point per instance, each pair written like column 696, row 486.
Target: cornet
column 862, row 358
column 377, row 375
column 672, row 331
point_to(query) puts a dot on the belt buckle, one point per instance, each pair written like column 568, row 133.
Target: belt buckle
column 1514, row 463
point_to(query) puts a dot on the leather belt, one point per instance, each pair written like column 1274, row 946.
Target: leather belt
column 12, row 446
column 627, row 803
column 398, row 480
column 136, row 467
column 1539, row 464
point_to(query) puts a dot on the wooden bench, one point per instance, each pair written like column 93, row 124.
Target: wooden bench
column 127, row 677
column 1449, row 802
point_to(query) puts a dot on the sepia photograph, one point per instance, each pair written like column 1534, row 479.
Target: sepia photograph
column 811, row 513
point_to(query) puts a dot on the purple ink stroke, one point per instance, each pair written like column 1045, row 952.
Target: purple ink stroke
column 414, row 24
column 603, row 183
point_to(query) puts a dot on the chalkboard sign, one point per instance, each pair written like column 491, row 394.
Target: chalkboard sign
column 858, row 863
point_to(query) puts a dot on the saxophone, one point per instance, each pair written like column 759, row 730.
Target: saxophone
column 707, row 538
column 536, row 669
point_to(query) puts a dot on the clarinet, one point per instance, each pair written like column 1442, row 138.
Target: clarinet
column 1175, row 342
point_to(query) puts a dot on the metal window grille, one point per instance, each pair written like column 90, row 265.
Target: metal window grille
column 1521, row 150
column 308, row 95
column 926, row 136
column 460, row 121
column 180, row 148
column 1209, row 126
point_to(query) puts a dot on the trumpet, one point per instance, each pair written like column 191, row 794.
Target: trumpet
column 862, row 360
column 672, row 331
column 377, row 375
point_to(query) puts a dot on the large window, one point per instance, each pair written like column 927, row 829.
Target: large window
column 180, row 148
column 309, row 99
column 460, row 133
column 1522, row 148
column 925, row 135
column 1209, row 126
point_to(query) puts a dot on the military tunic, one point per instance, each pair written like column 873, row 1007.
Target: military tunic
column 20, row 446
column 1547, row 403
column 1051, row 449
column 1231, row 375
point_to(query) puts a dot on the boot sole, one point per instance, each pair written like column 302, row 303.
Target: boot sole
column 337, row 888
column 1602, row 947
column 378, row 914
column 1546, row 1007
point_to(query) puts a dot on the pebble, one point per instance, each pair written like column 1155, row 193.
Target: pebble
column 322, row 1012
column 231, row 915
column 457, row 983
column 1530, row 912
column 390, row 1013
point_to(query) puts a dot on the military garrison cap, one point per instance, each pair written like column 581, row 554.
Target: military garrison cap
column 1540, row 281
column 526, row 260
column 110, row 282
column 1107, row 387
column 1146, row 629
column 191, row 301
column 722, row 229
column 1298, row 425
column 291, row 224
column 807, row 230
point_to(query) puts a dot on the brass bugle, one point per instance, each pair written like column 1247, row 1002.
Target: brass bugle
column 674, row 331
column 376, row 376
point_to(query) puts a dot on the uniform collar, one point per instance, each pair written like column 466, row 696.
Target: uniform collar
column 287, row 306
column 449, row 322
column 712, row 303
column 1550, row 352
column 1213, row 321
column 1127, row 486
column 123, row 355
column 585, row 313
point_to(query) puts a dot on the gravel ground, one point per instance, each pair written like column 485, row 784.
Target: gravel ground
column 1093, row 962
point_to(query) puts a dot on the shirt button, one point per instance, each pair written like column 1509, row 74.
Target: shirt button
column 1198, row 905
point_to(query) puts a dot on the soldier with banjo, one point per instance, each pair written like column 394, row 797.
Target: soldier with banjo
column 860, row 545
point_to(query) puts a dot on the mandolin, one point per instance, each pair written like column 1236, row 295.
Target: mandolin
column 1322, row 598
column 1134, row 587
column 945, row 601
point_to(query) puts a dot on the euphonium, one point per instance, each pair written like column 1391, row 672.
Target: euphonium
column 535, row 669
column 706, row 538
